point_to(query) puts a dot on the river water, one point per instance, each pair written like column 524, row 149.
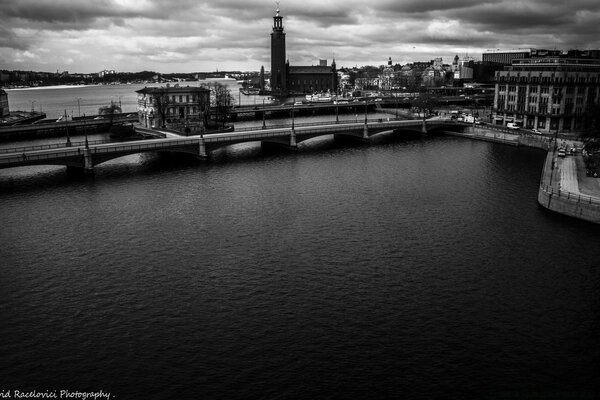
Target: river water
column 416, row 268
column 55, row 101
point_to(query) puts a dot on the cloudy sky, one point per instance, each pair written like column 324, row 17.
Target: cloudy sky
column 205, row 35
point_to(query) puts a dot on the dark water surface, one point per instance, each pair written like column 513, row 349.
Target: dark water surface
column 416, row 268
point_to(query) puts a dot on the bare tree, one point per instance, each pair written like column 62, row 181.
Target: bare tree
column 222, row 100
column 591, row 126
column 426, row 102
column 161, row 105
column 203, row 109
column 110, row 111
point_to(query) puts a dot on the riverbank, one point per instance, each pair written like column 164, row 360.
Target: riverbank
column 565, row 187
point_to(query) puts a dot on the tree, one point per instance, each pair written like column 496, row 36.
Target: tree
column 161, row 105
column 222, row 101
column 203, row 109
column 591, row 126
column 425, row 102
column 110, row 111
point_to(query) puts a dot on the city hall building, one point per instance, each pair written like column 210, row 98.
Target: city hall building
column 287, row 79
column 547, row 93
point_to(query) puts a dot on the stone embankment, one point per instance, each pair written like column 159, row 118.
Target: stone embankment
column 491, row 133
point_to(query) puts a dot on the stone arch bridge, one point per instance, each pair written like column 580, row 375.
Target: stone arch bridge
column 87, row 156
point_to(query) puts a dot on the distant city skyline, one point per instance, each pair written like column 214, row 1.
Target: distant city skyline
column 82, row 36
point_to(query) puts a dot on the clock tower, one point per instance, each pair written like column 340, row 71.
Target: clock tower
column 278, row 60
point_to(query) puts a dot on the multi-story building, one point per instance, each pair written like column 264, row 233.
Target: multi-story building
column 504, row 57
column 546, row 93
column 176, row 104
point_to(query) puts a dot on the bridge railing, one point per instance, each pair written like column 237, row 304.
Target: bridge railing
column 15, row 158
column 51, row 146
column 573, row 197
column 171, row 143
column 284, row 126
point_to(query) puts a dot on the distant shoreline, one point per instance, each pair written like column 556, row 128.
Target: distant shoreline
column 49, row 87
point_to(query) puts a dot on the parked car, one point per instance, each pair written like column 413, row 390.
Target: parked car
column 536, row 131
column 512, row 125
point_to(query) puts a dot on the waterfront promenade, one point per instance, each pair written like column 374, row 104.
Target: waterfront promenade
column 565, row 187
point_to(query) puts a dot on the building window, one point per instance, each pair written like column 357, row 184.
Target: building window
column 533, row 89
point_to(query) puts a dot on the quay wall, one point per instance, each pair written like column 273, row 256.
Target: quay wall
column 490, row 133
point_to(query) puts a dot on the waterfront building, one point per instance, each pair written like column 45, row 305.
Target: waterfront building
column 179, row 105
column 4, row 110
column 547, row 93
column 286, row 79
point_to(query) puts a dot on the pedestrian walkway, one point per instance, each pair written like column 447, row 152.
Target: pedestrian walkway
column 568, row 175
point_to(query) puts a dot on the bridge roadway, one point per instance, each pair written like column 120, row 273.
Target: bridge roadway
column 77, row 124
column 86, row 158
column 351, row 104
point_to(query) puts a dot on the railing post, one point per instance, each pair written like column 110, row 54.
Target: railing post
column 202, row 148
column 293, row 144
column 88, row 162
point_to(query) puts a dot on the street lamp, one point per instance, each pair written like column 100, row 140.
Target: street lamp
column 264, row 124
column 79, row 106
column 67, row 131
column 292, row 116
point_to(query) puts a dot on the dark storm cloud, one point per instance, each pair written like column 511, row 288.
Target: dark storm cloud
column 423, row 7
column 10, row 40
column 226, row 32
column 59, row 12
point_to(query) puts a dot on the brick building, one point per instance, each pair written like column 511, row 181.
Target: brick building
column 287, row 79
